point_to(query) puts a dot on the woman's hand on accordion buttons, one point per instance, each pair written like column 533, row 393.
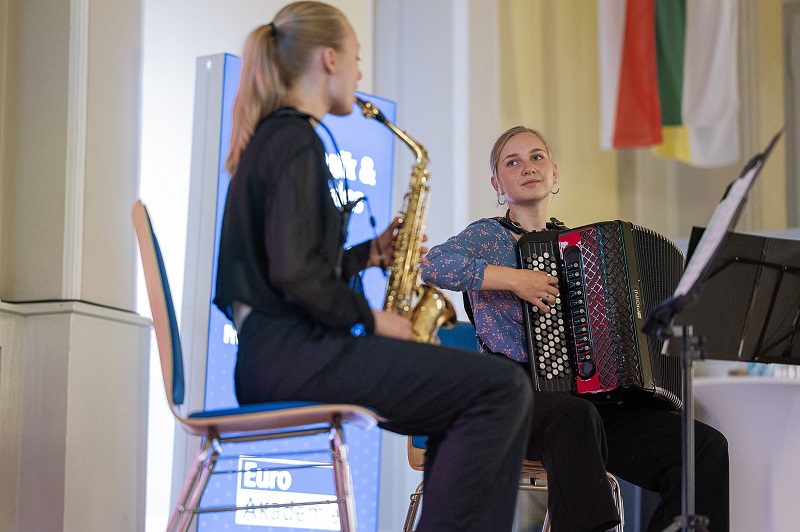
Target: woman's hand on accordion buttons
column 537, row 288
column 392, row 325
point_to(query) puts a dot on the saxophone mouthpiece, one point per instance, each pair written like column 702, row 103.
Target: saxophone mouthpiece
column 370, row 111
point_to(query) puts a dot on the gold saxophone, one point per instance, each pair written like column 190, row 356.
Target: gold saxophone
column 432, row 309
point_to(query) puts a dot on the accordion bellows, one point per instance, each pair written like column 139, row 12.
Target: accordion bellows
column 611, row 275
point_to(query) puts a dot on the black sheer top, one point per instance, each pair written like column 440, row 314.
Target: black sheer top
column 281, row 233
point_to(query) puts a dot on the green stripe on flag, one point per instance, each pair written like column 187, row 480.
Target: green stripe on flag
column 670, row 44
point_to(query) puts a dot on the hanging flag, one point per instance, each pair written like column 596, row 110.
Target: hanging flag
column 670, row 47
column 630, row 112
column 689, row 48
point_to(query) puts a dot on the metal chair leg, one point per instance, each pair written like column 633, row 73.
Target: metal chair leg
column 413, row 508
column 546, row 524
column 189, row 509
column 342, row 480
column 188, row 488
column 615, row 491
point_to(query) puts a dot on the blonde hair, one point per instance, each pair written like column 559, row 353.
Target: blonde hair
column 494, row 155
column 275, row 56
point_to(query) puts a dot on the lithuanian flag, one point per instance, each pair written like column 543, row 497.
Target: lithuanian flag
column 668, row 78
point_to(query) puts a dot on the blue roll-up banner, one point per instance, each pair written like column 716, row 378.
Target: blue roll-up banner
column 366, row 162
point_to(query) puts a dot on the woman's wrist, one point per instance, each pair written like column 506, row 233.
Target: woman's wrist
column 499, row 278
column 376, row 254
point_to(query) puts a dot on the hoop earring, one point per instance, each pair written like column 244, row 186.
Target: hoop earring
column 554, row 192
column 501, row 202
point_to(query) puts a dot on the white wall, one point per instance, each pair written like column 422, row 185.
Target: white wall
column 70, row 135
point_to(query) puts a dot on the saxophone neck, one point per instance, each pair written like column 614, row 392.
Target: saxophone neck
column 370, row 111
column 421, row 154
column 419, row 151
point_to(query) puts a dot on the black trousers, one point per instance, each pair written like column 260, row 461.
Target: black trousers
column 567, row 437
column 645, row 448
column 476, row 410
column 577, row 442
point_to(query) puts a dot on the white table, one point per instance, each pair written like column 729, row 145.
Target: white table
column 760, row 416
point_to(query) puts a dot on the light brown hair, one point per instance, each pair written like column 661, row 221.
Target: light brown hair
column 494, row 155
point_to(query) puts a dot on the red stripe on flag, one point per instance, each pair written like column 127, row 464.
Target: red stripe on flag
column 638, row 120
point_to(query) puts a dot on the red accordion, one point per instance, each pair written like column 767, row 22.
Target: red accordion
column 611, row 275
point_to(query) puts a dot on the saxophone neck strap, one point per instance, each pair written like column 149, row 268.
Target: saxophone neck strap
column 342, row 194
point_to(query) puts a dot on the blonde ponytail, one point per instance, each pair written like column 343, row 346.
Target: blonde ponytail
column 275, row 55
column 260, row 91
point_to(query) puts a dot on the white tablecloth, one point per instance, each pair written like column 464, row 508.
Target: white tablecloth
column 760, row 416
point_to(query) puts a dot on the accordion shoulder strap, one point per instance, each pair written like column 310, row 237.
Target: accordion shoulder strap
column 553, row 225
column 503, row 220
column 468, row 309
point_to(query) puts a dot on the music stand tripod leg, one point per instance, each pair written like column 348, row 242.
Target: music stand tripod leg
column 690, row 351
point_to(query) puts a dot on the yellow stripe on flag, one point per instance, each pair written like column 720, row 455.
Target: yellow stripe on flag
column 675, row 144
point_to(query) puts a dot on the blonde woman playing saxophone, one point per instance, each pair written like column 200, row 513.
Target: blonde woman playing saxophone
column 304, row 334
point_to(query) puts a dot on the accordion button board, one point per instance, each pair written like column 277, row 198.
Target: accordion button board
column 548, row 339
column 590, row 342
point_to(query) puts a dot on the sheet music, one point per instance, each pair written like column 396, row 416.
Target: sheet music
column 722, row 221
column 719, row 225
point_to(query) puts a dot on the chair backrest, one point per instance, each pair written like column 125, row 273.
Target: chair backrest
column 158, row 292
column 463, row 337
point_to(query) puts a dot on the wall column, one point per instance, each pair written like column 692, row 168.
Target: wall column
column 73, row 355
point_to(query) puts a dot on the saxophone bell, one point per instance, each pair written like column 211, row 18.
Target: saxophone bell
column 432, row 312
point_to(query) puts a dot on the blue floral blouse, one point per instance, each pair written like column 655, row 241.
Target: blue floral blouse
column 459, row 264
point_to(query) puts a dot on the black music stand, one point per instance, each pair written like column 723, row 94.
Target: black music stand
column 661, row 320
column 749, row 307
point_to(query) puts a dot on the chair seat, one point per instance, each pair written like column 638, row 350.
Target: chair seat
column 275, row 416
column 533, row 470
column 249, row 409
